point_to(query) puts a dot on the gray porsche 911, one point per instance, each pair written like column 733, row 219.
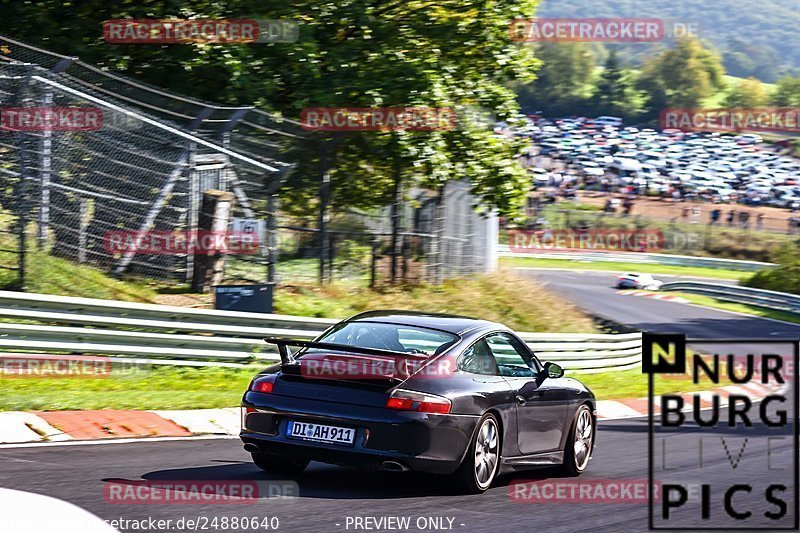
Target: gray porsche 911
column 398, row 391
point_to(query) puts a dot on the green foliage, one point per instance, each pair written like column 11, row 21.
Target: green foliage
column 351, row 53
column 756, row 38
column 615, row 93
column 786, row 92
column 681, row 77
column 563, row 83
column 746, row 94
column 785, row 277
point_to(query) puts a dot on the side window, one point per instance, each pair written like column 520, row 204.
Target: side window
column 513, row 360
column 478, row 359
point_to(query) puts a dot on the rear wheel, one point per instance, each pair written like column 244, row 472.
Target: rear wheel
column 271, row 462
column 481, row 462
column 580, row 441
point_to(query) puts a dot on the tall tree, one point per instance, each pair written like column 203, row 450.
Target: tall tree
column 614, row 93
column 681, row 77
column 786, row 92
column 746, row 94
column 443, row 53
column 563, row 83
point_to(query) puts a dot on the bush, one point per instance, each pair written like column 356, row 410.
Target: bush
column 785, row 277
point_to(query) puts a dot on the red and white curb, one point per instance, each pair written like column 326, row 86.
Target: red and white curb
column 654, row 295
column 60, row 426
column 636, row 407
column 124, row 426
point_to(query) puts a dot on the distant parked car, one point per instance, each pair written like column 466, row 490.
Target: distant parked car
column 634, row 280
column 608, row 121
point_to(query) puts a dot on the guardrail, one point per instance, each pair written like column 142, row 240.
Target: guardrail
column 641, row 257
column 780, row 301
column 156, row 334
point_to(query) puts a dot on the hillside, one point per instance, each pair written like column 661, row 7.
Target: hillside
column 755, row 37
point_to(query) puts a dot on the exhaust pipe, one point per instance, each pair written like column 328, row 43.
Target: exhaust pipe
column 250, row 447
column 393, row 466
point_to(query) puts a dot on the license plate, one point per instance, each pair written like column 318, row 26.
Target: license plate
column 321, row 433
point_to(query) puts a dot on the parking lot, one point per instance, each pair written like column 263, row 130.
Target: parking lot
column 731, row 169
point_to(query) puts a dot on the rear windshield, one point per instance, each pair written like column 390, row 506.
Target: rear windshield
column 394, row 337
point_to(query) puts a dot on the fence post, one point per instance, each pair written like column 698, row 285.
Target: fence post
column 272, row 236
column 23, row 221
column 404, row 254
column 44, row 176
column 215, row 214
column 373, row 266
column 83, row 225
column 324, row 216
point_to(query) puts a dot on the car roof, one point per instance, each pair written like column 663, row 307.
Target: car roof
column 450, row 323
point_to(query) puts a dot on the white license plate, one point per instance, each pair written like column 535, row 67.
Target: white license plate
column 320, row 433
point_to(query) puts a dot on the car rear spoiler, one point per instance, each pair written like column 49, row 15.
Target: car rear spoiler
column 288, row 359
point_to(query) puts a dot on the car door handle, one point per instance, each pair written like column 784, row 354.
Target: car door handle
column 520, row 400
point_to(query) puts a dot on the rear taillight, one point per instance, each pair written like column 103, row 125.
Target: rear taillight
column 403, row 400
column 263, row 384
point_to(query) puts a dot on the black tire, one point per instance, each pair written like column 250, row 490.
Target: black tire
column 466, row 477
column 270, row 462
column 575, row 463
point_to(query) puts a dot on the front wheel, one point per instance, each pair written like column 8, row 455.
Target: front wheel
column 270, row 462
column 481, row 462
column 578, row 448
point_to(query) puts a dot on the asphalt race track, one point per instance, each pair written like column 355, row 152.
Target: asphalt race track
column 595, row 292
column 330, row 497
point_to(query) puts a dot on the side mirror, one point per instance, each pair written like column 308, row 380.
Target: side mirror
column 553, row 370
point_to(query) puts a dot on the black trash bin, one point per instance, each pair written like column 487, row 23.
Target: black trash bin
column 248, row 298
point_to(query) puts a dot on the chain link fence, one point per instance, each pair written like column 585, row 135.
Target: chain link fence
column 147, row 164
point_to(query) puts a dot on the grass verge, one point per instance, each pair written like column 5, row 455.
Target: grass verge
column 708, row 301
column 618, row 266
column 520, row 303
column 202, row 388
column 633, row 384
column 47, row 274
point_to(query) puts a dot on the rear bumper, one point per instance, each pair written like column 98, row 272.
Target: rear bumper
column 418, row 441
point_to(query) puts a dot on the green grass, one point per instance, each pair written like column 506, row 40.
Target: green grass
column 201, row 388
column 492, row 297
column 161, row 388
column 52, row 275
column 618, row 266
column 633, row 384
column 708, row 301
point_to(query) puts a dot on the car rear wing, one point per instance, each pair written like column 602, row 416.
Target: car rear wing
column 288, row 359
